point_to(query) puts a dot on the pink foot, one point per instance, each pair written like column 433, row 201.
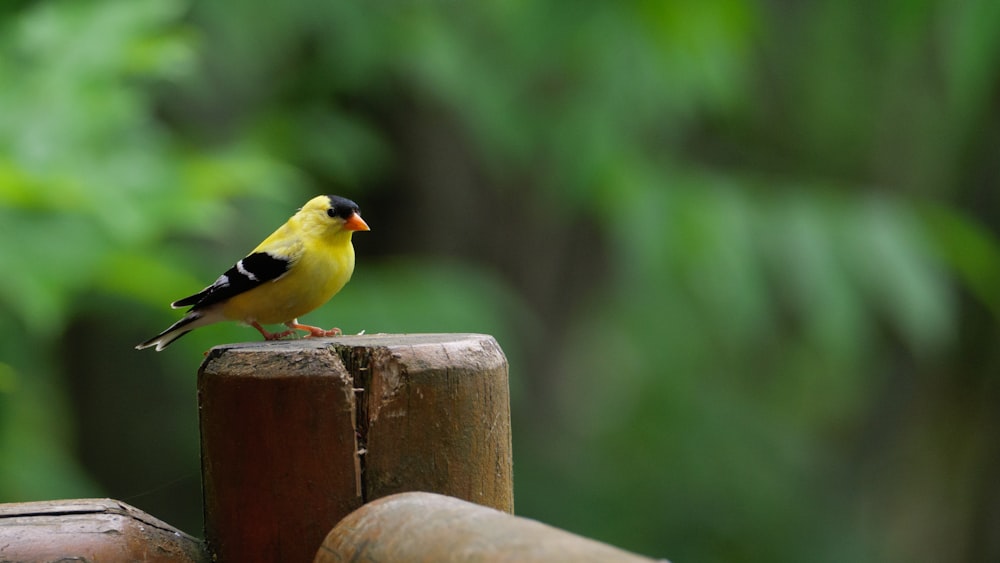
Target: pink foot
column 271, row 335
column 314, row 331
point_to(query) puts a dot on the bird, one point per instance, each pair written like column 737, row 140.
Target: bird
column 298, row 268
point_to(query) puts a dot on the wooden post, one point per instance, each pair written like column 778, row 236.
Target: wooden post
column 278, row 448
column 91, row 530
column 297, row 434
column 430, row 527
column 435, row 416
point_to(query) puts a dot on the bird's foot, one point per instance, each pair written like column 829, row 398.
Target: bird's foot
column 271, row 335
column 279, row 335
column 332, row 332
column 314, row 331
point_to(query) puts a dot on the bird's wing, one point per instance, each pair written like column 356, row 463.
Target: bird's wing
column 256, row 269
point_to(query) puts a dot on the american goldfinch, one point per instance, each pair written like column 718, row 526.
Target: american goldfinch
column 295, row 270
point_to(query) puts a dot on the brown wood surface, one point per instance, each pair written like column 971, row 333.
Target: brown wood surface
column 91, row 530
column 297, row 434
column 425, row 527
column 279, row 463
column 436, row 415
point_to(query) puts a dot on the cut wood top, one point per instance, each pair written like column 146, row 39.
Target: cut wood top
column 415, row 350
column 374, row 340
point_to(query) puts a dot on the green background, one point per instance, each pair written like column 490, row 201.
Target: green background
column 741, row 255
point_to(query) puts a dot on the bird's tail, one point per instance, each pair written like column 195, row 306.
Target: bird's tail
column 191, row 321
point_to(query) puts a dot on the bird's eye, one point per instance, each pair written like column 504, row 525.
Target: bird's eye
column 331, row 213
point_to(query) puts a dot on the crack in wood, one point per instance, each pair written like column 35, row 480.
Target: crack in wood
column 357, row 361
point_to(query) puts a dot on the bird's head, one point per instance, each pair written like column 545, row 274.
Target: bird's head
column 332, row 214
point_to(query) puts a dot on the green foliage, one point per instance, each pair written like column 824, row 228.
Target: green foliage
column 88, row 180
column 714, row 235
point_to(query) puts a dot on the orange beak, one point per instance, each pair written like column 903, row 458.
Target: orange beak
column 356, row 223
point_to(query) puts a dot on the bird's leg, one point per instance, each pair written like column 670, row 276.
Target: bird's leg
column 314, row 331
column 271, row 335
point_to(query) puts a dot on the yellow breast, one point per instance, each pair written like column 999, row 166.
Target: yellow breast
column 320, row 272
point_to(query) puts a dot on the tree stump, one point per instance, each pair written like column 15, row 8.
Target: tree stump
column 297, row 434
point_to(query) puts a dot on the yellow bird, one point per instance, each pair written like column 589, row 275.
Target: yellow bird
column 295, row 270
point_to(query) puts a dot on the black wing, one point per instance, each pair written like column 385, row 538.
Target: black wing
column 248, row 273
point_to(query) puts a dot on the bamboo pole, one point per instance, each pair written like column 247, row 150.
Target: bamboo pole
column 297, row 434
column 426, row 527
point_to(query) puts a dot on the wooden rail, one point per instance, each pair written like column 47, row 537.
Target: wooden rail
column 91, row 530
column 410, row 527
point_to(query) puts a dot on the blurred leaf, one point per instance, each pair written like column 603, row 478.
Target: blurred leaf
column 893, row 260
column 971, row 250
